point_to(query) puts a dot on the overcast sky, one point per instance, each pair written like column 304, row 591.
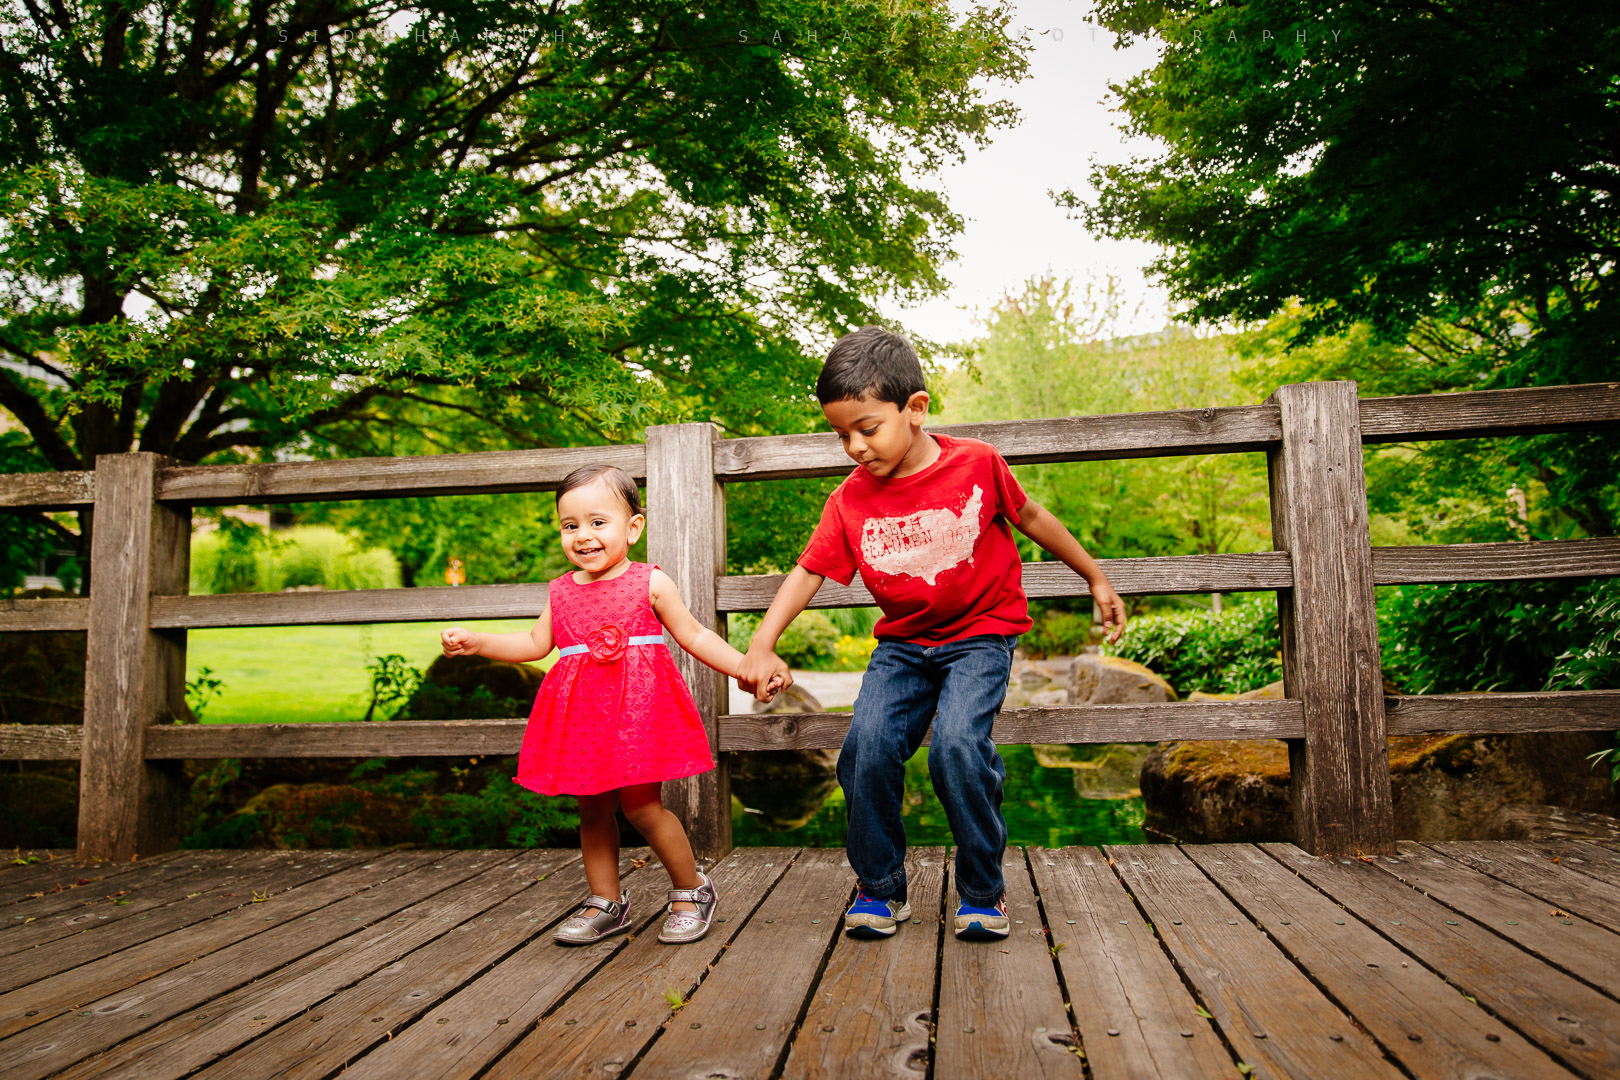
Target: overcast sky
column 1013, row 229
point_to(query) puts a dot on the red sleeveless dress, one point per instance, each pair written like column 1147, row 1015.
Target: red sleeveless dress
column 613, row 710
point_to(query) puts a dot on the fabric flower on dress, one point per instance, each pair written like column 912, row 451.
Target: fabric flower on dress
column 606, row 644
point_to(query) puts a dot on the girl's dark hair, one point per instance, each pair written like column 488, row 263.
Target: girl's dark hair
column 870, row 362
column 617, row 480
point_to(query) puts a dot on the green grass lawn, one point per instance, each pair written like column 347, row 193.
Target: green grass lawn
column 294, row 674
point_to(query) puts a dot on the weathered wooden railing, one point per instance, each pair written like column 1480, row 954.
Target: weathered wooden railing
column 1323, row 568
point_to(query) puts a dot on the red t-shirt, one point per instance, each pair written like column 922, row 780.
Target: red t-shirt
column 934, row 547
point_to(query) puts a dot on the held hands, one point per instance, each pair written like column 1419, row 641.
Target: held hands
column 459, row 642
column 763, row 674
column 1112, row 608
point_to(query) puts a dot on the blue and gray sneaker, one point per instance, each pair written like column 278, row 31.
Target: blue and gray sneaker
column 982, row 923
column 869, row 917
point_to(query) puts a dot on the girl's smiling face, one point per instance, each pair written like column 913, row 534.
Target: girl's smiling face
column 597, row 527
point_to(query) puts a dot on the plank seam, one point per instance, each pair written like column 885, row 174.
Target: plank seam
column 502, row 958
column 1057, row 969
column 630, row 1066
column 1310, row 977
column 1539, row 1044
column 1521, row 946
column 1175, row 965
column 946, row 872
column 810, row 993
column 1497, row 877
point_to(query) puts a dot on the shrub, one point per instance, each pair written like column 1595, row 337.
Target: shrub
column 1237, row 650
column 810, row 643
column 1510, row 636
column 501, row 815
column 239, row 557
column 1056, row 633
column 854, row 653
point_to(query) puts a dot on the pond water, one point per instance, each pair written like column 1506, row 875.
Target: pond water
column 1042, row 806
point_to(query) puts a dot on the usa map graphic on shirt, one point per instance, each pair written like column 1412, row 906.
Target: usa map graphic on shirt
column 924, row 544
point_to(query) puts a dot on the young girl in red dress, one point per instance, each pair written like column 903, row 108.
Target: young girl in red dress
column 613, row 718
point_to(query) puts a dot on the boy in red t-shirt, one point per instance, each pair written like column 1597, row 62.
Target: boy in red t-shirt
column 924, row 521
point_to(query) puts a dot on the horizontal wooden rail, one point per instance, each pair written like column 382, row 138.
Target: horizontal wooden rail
column 433, row 604
column 1478, row 414
column 487, row 473
column 1486, row 714
column 1159, row 576
column 44, row 615
column 1440, row 563
column 1243, row 572
column 1238, row 429
column 48, row 490
column 1427, row 714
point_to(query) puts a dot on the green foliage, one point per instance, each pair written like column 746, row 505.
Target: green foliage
column 1056, row 633
column 1419, row 177
column 502, row 814
column 810, row 642
column 393, row 684
column 1592, row 660
column 202, row 689
column 1235, row 651
column 240, row 557
column 258, row 228
column 1511, row 635
column 1050, row 351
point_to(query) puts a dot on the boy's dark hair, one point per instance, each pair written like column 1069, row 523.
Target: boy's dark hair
column 870, row 362
column 617, row 480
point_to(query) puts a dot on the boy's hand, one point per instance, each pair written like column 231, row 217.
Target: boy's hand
column 763, row 674
column 457, row 641
column 1112, row 608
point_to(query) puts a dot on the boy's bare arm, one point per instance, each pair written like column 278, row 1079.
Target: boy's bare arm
column 1041, row 526
column 761, row 663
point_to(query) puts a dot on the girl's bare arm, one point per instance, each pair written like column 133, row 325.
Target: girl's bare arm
column 520, row 647
column 692, row 635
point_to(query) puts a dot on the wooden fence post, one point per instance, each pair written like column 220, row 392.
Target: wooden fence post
column 1340, row 770
column 133, row 676
column 686, row 511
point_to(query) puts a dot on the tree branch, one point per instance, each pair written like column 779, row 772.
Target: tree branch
column 26, row 408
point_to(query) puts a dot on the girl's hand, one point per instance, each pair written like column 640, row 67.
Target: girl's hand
column 459, row 642
column 1112, row 609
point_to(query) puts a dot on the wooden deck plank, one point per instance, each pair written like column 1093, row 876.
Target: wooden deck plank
column 41, row 1000
column 1579, row 946
column 738, row 1022
column 1424, row 1023
column 1575, row 1023
column 1001, row 1011
column 149, row 877
column 1271, row 1014
column 342, row 1029
column 460, row 1036
column 1522, row 867
column 1129, row 1002
column 82, row 910
column 235, row 889
column 110, row 1018
column 606, row 1025
column 194, row 1039
column 1582, row 857
column 873, row 1010
column 19, row 883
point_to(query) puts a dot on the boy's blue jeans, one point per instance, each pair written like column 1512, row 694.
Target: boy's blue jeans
column 959, row 686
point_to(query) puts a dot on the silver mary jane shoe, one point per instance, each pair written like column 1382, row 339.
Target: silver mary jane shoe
column 685, row 926
column 607, row 918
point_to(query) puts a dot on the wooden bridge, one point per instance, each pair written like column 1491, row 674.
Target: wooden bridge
column 1447, row 960
column 1349, row 955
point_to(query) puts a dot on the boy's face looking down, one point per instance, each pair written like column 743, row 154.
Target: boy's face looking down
column 881, row 437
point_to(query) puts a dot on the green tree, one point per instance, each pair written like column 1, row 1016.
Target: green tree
column 253, row 229
column 1051, row 351
column 1442, row 174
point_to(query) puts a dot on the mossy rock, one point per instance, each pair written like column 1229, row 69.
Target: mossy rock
column 1445, row 787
